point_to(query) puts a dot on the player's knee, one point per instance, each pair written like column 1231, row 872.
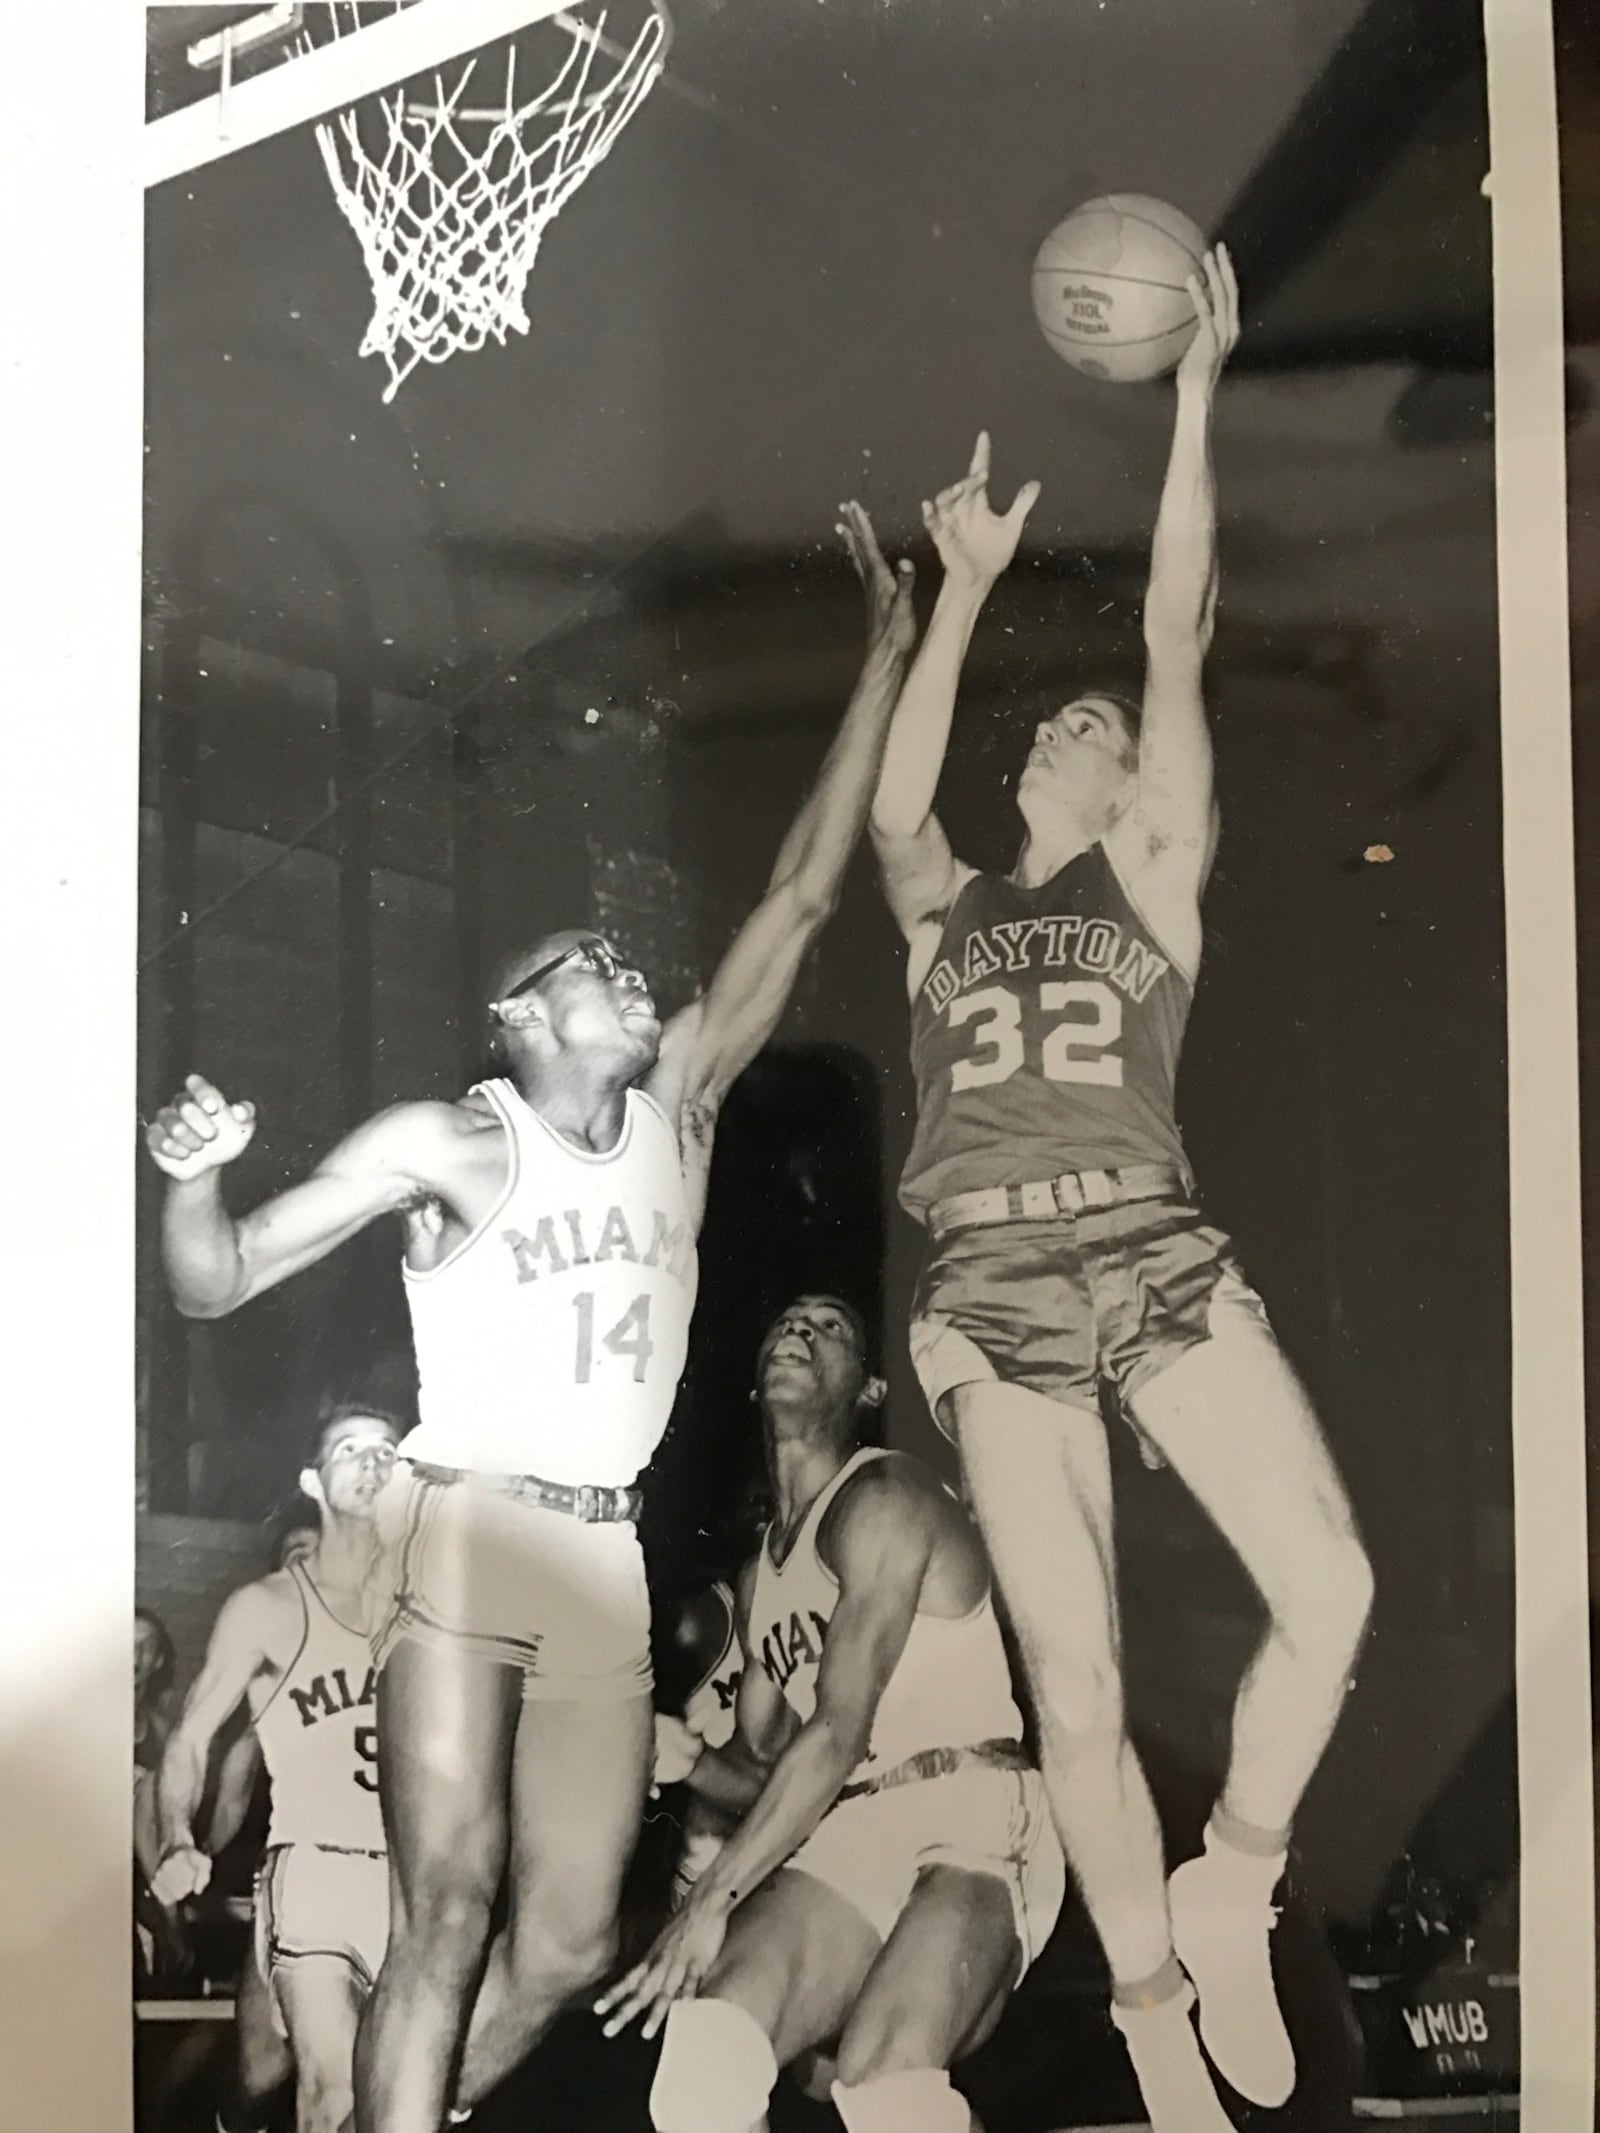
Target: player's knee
column 553, row 1950
column 1326, row 1615
column 909, row 2100
column 1080, row 1701
column 572, row 1961
column 716, row 2071
column 446, row 1920
column 324, row 2102
column 876, row 2041
column 1353, row 1588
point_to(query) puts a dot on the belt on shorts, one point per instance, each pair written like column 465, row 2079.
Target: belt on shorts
column 586, row 1502
column 940, row 1762
column 343, row 1851
column 1070, row 1194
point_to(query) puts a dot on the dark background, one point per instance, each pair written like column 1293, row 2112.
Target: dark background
column 375, row 636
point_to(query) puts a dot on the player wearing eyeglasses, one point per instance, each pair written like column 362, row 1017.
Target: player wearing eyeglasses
column 550, row 1265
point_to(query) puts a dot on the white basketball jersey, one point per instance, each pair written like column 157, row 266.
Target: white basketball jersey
column 318, row 1737
column 551, row 1342
column 711, row 1708
column 951, row 1686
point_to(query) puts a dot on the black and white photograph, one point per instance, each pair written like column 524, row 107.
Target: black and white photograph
column 850, row 1013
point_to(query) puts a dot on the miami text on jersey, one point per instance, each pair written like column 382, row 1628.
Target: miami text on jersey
column 555, row 1250
column 788, row 1647
column 318, row 1701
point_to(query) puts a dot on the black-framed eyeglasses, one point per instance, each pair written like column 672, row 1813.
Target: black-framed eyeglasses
column 594, row 955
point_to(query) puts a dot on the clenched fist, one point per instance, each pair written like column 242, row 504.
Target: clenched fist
column 199, row 1131
column 678, row 1749
column 183, row 1873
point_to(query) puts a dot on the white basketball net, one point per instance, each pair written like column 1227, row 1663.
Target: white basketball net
column 450, row 202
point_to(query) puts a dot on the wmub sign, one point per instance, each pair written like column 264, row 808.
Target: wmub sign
column 1456, row 2032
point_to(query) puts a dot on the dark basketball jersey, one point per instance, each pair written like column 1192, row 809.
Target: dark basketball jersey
column 1044, row 1038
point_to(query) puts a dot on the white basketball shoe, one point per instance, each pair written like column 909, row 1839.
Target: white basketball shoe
column 1222, row 1921
column 1174, row 2083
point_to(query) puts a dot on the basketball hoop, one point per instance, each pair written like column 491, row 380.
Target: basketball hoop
column 450, row 200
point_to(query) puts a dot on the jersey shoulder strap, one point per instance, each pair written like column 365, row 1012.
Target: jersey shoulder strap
column 298, row 1580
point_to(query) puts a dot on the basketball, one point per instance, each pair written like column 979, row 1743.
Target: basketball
column 1108, row 287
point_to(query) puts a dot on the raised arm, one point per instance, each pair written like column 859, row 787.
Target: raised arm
column 712, row 1043
column 1168, row 837
column 217, row 1261
column 234, row 1656
column 975, row 544
column 883, row 1540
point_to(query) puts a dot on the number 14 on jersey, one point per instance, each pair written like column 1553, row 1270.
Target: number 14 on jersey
column 629, row 1337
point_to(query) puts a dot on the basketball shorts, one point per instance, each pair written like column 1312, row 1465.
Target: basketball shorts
column 315, row 1902
column 1063, row 1305
column 563, row 1602
column 981, row 1819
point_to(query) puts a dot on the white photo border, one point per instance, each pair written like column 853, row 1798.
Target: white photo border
column 71, row 239
column 1556, row 1783
column 71, row 408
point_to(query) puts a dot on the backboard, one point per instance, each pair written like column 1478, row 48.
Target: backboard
column 221, row 78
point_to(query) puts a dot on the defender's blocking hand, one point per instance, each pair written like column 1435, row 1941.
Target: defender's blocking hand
column 891, row 619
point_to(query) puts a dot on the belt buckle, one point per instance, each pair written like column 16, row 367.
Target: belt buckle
column 1038, row 1201
column 1067, row 1191
column 586, row 1504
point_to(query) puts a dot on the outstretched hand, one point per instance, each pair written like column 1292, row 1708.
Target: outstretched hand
column 891, row 619
column 674, row 1969
column 976, row 542
column 1215, row 295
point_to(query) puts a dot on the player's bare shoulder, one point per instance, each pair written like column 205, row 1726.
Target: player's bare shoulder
column 263, row 1622
column 925, row 932
column 895, row 1497
column 744, row 1594
column 465, row 1129
column 1164, row 879
column 899, row 1501
column 461, row 1155
column 417, row 1143
column 679, row 1086
column 670, row 1083
column 447, row 1126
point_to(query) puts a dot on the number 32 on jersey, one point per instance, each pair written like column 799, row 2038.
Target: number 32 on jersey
column 1077, row 1045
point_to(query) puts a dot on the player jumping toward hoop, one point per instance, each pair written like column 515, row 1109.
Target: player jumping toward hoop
column 550, row 1269
column 1048, row 1006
